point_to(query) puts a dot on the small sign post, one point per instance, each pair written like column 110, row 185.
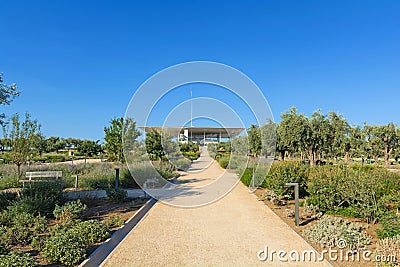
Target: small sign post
column 296, row 198
column 116, row 177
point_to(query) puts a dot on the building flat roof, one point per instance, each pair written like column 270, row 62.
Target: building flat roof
column 197, row 132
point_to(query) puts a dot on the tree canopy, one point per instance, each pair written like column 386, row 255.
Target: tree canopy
column 7, row 94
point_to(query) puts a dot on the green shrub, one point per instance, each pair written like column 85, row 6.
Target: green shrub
column 70, row 211
column 182, row 164
column 167, row 172
column 19, row 227
column 191, row 155
column 114, row 221
column 66, row 248
column 41, row 198
column 6, row 198
column 38, row 242
column 364, row 190
column 247, row 176
column 72, row 238
column 91, row 231
column 52, row 157
column 116, row 194
column 349, row 212
column 6, row 157
column 287, row 172
column 62, row 228
column 98, row 183
column 330, row 230
column 126, row 180
column 15, row 235
column 9, row 181
column 3, row 249
column 17, row 259
column 223, row 162
column 390, row 225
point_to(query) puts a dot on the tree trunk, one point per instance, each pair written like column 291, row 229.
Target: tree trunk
column 19, row 170
column 347, row 157
column 311, row 157
column 387, row 156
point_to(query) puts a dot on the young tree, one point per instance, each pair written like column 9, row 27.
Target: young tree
column 154, row 145
column 121, row 133
column 22, row 136
column 7, row 94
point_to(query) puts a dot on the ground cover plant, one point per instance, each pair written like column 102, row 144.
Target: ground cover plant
column 39, row 227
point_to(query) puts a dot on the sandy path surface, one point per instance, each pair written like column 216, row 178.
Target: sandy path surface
column 228, row 232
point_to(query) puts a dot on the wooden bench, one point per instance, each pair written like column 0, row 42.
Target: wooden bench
column 41, row 176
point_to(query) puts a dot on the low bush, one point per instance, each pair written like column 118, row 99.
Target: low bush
column 38, row 242
column 52, row 157
column 16, row 235
column 349, row 212
column 70, row 211
column 182, row 164
column 166, row 171
column 68, row 241
column 116, row 194
column 223, row 162
column 19, row 227
column 344, row 188
column 390, row 225
column 4, row 249
column 16, row 258
column 287, row 172
column 191, row 155
column 246, row 177
column 91, row 231
column 67, row 248
column 126, row 179
column 114, row 221
column 330, row 231
column 103, row 182
column 6, row 198
column 41, row 198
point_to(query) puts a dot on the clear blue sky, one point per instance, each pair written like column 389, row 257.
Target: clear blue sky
column 79, row 62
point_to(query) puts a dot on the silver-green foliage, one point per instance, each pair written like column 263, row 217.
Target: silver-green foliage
column 329, row 230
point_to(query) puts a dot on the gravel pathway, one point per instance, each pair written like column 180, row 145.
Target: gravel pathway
column 228, row 232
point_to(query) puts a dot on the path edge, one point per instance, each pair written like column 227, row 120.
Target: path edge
column 104, row 251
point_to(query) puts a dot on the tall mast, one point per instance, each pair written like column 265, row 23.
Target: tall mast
column 191, row 107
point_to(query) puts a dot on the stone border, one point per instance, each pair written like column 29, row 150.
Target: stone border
column 101, row 253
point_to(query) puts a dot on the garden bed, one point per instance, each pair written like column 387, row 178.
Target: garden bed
column 57, row 235
column 306, row 223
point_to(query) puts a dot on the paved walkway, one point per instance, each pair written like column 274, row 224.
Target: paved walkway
column 228, row 232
